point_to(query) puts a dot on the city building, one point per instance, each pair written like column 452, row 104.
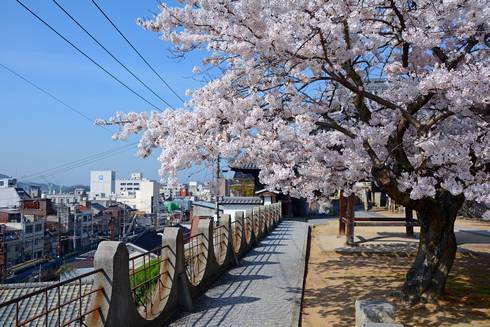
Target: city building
column 10, row 195
column 129, row 185
column 39, row 208
column 9, row 215
column 102, row 184
column 12, row 246
column 75, row 227
column 193, row 188
column 139, row 193
column 170, row 191
column 6, row 181
column 77, row 196
column 23, row 240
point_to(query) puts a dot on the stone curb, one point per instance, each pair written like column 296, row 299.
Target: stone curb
column 296, row 316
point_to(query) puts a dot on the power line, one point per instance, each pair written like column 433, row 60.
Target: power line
column 87, row 56
column 75, row 163
column 80, row 162
column 52, row 96
column 112, row 55
column 65, row 170
column 136, row 50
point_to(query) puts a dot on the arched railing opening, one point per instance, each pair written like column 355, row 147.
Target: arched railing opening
column 256, row 223
column 220, row 241
column 248, row 226
column 195, row 256
column 236, row 230
column 150, row 280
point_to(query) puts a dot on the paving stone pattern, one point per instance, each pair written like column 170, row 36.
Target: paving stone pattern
column 265, row 290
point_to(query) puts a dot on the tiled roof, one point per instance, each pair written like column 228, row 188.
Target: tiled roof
column 266, row 191
column 240, row 200
column 97, row 206
column 247, row 166
column 36, row 304
column 205, row 204
column 148, row 240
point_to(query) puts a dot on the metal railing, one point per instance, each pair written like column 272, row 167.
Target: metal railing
column 220, row 241
column 146, row 276
column 195, row 260
column 57, row 310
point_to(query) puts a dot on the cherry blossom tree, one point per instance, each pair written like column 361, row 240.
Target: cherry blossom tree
column 323, row 94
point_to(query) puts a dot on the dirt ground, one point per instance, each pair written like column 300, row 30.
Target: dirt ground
column 334, row 281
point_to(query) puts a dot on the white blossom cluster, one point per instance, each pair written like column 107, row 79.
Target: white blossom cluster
column 319, row 94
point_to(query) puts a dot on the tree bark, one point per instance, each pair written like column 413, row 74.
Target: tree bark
column 426, row 279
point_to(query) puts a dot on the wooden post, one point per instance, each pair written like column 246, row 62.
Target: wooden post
column 409, row 221
column 350, row 217
column 342, row 213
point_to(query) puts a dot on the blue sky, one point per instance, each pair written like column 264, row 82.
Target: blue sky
column 36, row 132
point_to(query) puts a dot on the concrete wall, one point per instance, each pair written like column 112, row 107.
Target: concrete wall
column 113, row 303
column 232, row 209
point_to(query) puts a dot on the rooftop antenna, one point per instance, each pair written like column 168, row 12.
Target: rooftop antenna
column 50, row 185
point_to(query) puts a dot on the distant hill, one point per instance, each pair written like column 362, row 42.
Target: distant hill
column 45, row 187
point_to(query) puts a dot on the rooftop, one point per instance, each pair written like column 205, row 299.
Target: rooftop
column 247, row 166
column 240, row 200
column 36, row 304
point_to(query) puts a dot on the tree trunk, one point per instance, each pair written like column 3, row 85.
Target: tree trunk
column 426, row 278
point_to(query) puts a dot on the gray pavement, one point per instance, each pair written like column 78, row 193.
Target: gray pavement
column 265, row 290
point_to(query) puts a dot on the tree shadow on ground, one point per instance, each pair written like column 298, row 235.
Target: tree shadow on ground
column 336, row 281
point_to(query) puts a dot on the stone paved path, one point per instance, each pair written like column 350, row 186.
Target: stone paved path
column 265, row 290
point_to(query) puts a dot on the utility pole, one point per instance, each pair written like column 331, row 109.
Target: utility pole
column 217, row 190
column 75, row 231
column 58, row 249
column 124, row 222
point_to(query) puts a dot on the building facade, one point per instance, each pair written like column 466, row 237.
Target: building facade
column 11, row 196
column 139, row 193
column 102, row 183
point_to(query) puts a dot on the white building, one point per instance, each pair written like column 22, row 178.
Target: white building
column 231, row 204
column 10, row 196
column 6, row 181
column 128, row 186
column 171, row 191
column 102, row 184
column 193, row 187
column 66, row 198
column 139, row 193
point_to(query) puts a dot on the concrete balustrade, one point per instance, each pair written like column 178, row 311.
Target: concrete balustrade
column 248, row 229
column 186, row 271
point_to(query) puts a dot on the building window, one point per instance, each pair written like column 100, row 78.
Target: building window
column 28, row 229
column 39, row 227
column 2, row 183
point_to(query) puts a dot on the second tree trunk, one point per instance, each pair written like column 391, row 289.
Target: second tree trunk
column 427, row 277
